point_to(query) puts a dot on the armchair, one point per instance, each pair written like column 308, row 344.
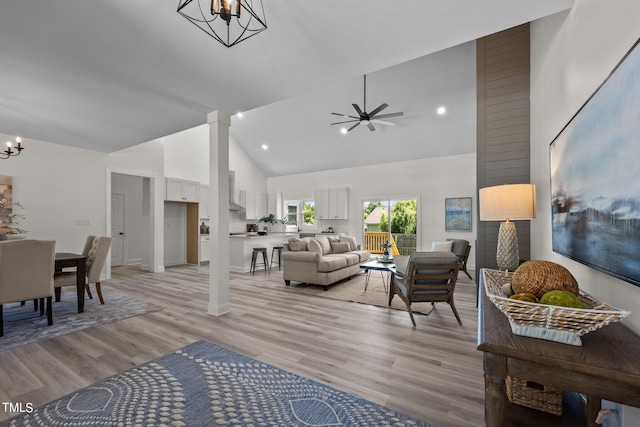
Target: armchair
column 26, row 272
column 425, row 277
column 461, row 248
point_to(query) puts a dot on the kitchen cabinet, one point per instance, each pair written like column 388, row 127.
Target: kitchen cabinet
column 331, row 203
column 205, row 246
column 180, row 190
column 275, row 205
column 255, row 204
column 203, row 202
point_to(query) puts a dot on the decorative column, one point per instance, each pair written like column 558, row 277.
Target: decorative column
column 219, row 123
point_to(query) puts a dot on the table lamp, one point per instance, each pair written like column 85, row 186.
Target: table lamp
column 505, row 203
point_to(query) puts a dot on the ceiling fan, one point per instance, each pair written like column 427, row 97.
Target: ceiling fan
column 367, row 118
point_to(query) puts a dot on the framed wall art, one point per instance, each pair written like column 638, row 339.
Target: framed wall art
column 457, row 214
column 595, row 177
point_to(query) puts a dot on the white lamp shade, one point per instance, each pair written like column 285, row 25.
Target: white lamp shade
column 511, row 201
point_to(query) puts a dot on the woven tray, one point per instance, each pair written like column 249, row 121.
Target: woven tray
column 548, row 322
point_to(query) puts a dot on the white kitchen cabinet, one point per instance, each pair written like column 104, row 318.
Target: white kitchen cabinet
column 255, row 204
column 180, row 190
column 275, row 205
column 205, row 246
column 203, row 202
column 331, row 203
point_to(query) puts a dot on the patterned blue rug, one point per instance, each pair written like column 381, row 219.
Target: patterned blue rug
column 203, row 384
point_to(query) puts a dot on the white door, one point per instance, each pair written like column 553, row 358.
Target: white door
column 117, row 229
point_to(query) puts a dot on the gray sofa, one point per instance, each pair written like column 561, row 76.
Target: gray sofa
column 321, row 260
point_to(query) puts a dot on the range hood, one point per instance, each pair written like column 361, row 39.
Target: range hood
column 233, row 206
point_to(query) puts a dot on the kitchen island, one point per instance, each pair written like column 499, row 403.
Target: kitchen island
column 241, row 248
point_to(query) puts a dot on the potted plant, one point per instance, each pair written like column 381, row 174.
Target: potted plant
column 385, row 249
column 269, row 219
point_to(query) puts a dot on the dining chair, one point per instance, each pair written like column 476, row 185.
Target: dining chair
column 425, row 277
column 96, row 249
column 26, row 273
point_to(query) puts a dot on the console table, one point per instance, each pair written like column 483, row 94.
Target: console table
column 606, row 366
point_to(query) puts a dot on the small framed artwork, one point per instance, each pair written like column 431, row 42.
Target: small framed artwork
column 457, row 213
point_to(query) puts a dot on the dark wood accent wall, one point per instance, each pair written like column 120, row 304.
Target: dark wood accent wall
column 503, row 128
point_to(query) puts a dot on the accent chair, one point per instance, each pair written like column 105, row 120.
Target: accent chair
column 425, row 277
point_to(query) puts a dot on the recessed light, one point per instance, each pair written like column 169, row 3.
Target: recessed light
column 343, row 131
column 240, row 115
column 441, row 110
column 264, row 146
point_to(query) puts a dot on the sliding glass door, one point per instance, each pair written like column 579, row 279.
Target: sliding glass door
column 393, row 221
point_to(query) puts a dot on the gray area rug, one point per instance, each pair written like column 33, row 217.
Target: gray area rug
column 23, row 326
column 204, row 384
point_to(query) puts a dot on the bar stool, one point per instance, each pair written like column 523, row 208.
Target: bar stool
column 254, row 258
column 279, row 249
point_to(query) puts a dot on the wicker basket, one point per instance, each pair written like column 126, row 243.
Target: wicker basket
column 539, row 277
column 534, row 395
column 548, row 322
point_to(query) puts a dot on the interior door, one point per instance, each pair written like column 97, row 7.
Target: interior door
column 117, row 230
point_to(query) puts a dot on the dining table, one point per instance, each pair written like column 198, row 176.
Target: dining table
column 66, row 260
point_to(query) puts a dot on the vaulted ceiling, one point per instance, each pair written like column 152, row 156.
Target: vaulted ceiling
column 105, row 75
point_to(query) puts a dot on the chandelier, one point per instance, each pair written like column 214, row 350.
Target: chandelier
column 228, row 21
column 10, row 151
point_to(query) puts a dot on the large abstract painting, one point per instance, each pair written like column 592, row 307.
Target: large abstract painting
column 595, row 177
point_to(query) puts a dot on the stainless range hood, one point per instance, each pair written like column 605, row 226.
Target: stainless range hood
column 233, row 206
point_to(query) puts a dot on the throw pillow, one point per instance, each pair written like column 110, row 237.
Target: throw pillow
column 314, row 246
column 353, row 245
column 339, row 247
column 297, row 245
column 441, row 246
column 324, row 244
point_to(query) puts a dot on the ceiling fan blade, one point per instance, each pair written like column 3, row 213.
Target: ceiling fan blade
column 346, row 115
column 383, row 122
column 352, row 127
column 370, row 126
column 377, row 110
column 346, row 121
column 357, row 109
column 387, row 116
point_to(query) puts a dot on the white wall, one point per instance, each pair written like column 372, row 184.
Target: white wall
column 572, row 53
column 428, row 180
column 57, row 185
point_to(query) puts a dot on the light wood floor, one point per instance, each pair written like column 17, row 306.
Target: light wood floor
column 432, row 372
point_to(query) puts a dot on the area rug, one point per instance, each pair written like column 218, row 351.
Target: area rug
column 22, row 325
column 204, row 384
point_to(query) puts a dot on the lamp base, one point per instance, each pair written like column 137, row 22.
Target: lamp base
column 507, row 255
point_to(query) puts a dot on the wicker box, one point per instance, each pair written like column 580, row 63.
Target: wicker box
column 548, row 322
column 533, row 395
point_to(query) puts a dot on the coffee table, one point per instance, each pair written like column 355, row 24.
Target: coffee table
column 380, row 266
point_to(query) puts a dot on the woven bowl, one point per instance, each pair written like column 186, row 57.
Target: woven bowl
column 540, row 277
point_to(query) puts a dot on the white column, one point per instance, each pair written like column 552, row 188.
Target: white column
column 219, row 123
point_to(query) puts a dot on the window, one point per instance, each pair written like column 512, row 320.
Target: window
column 301, row 213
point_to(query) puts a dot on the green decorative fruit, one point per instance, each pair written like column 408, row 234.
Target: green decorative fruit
column 562, row 298
column 524, row 296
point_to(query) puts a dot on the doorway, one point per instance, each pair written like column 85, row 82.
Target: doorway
column 392, row 221
column 131, row 222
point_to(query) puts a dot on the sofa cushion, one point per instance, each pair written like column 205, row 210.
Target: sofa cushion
column 352, row 258
column 331, row 263
column 353, row 245
column 339, row 247
column 297, row 244
column 314, row 246
column 364, row 255
column 324, row 244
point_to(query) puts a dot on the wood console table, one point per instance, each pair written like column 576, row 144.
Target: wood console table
column 606, row 366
